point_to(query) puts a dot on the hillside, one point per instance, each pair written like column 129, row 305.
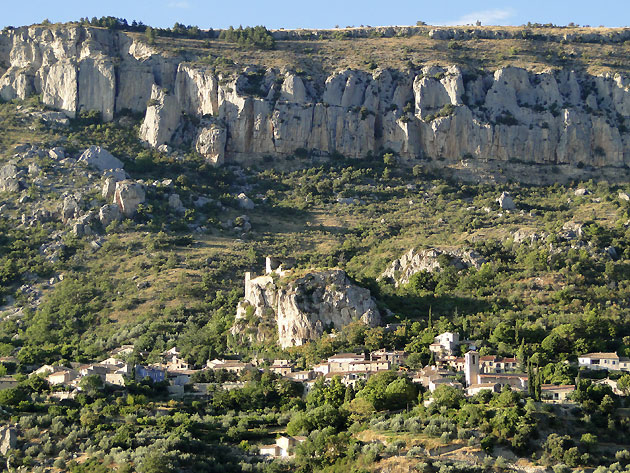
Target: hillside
column 419, row 180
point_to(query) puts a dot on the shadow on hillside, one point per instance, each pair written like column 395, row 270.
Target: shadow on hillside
column 415, row 307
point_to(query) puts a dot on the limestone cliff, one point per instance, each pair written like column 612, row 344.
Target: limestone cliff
column 305, row 307
column 442, row 113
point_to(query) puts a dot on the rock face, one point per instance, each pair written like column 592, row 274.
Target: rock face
column 99, row 158
column 162, row 118
column 128, row 196
column 415, row 261
column 109, row 213
column 210, row 142
column 445, row 113
column 305, row 307
column 109, row 187
column 8, row 439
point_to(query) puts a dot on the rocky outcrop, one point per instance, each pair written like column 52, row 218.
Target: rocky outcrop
column 8, row 439
column 109, row 213
column 99, row 158
column 211, row 141
column 305, row 307
column 161, row 119
column 128, row 196
column 9, row 180
column 76, row 68
column 442, row 113
column 432, row 259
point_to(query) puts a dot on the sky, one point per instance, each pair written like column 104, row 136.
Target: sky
column 321, row 13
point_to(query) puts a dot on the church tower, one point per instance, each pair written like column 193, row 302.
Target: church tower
column 471, row 367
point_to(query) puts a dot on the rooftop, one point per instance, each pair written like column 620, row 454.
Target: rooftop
column 600, row 356
column 557, row 387
column 340, row 356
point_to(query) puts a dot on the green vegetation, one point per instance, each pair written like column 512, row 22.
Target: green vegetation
column 256, row 37
column 545, row 293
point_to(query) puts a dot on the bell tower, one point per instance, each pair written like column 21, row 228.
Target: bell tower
column 471, row 367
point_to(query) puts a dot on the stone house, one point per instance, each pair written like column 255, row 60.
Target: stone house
column 301, row 376
column 233, row 366
column 437, row 381
column 395, row 357
column 477, row 388
column 604, row 361
column 445, row 344
column 281, row 367
column 516, row 381
column 558, row 393
column 7, row 382
column 64, row 376
column 155, row 374
column 341, row 362
column 497, row 364
column 283, row 447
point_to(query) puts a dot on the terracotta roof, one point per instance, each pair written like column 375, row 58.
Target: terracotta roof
column 557, row 387
column 600, row 355
column 483, row 385
column 341, row 374
column 504, row 375
column 346, row 355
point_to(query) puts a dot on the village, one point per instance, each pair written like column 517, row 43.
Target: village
column 471, row 373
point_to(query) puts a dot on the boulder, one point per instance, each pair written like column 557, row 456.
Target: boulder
column 582, row 191
column 8, row 439
column 101, row 159
column 8, row 171
column 118, row 174
column 572, row 230
column 57, row 153
column 210, row 142
column 78, row 229
column 624, row 196
column 9, row 184
column 109, row 187
column 175, row 203
column 128, row 195
column 201, row 201
column 245, row 202
column 34, row 169
column 109, row 213
column 70, row 208
column 505, row 201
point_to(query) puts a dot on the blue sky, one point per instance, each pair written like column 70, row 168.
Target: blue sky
column 322, row 13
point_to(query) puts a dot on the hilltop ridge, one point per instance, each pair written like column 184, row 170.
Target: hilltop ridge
column 439, row 115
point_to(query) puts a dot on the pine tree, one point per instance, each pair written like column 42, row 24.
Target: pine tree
column 538, row 393
column 349, row 396
column 520, row 355
column 150, row 34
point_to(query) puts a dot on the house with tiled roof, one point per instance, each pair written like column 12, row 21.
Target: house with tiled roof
column 601, row 361
column 554, row 392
